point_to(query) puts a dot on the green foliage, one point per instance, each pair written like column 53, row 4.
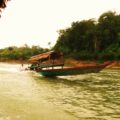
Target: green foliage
column 90, row 39
column 20, row 53
column 111, row 53
column 79, row 37
column 83, row 55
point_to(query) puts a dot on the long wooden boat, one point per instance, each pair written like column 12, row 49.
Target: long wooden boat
column 51, row 64
column 72, row 70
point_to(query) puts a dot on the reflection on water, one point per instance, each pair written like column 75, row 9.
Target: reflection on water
column 28, row 96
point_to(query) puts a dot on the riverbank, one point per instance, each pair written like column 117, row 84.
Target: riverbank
column 14, row 61
column 71, row 62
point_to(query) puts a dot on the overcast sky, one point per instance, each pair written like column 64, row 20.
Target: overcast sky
column 36, row 22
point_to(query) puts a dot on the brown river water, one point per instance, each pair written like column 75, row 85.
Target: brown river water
column 25, row 95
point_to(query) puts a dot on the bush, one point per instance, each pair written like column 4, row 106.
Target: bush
column 83, row 55
column 111, row 53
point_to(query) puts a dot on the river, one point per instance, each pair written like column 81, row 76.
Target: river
column 25, row 95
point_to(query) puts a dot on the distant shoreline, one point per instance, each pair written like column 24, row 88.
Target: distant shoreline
column 15, row 61
column 71, row 62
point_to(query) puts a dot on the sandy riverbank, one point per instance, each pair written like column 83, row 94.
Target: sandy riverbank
column 15, row 61
column 72, row 62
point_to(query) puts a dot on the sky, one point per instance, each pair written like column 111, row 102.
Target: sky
column 37, row 22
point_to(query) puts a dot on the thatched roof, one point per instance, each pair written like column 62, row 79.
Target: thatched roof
column 46, row 56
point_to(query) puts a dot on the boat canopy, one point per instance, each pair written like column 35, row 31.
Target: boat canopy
column 52, row 55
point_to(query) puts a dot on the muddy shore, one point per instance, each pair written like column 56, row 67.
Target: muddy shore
column 72, row 62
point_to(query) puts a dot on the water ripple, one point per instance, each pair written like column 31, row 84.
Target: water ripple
column 83, row 97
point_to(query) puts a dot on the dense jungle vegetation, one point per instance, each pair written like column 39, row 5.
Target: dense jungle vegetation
column 91, row 39
column 87, row 39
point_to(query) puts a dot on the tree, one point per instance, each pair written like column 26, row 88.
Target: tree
column 80, row 36
column 108, row 26
column 90, row 38
column 3, row 4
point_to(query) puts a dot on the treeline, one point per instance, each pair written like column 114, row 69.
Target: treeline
column 88, row 39
column 20, row 53
column 92, row 39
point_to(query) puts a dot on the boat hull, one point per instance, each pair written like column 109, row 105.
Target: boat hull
column 72, row 71
column 62, row 72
